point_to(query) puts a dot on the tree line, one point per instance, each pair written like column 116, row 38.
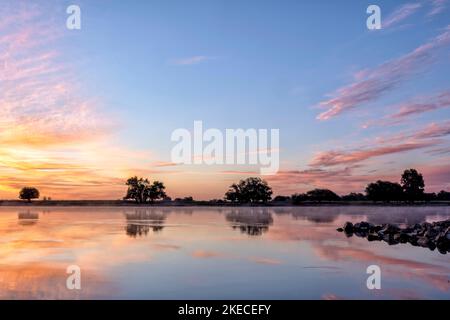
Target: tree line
column 410, row 189
column 254, row 190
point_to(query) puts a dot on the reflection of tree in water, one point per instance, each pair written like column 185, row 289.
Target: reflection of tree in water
column 28, row 218
column 141, row 221
column 253, row 222
column 403, row 215
column 313, row 214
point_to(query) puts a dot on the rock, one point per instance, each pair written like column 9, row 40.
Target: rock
column 428, row 235
column 375, row 229
column 390, row 229
column 431, row 233
column 373, row 237
column 390, row 239
column 361, row 234
column 431, row 246
column 348, row 227
column 403, row 237
column 426, row 225
column 363, row 226
column 400, row 237
column 423, row 242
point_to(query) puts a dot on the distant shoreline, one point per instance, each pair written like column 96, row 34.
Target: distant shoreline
column 121, row 203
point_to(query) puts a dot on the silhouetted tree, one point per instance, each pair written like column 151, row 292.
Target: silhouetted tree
column 140, row 190
column 136, row 189
column 155, row 191
column 443, row 196
column 298, row 198
column 322, row 195
column 429, row 196
column 384, row 191
column 250, row 190
column 354, row 197
column 29, row 193
column 281, row 199
column 413, row 185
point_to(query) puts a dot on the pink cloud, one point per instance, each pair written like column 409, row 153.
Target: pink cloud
column 440, row 151
column 437, row 6
column 206, row 254
column 403, row 142
column 416, row 106
column 442, row 100
column 40, row 102
column 267, row 261
column 332, row 158
column 162, row 164
column 342, row 180
column 401, row 14
column 373, row 83
column 433, row 130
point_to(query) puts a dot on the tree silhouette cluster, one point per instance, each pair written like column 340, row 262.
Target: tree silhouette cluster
column 410, row 189
column 256, row 191
column 316, row 195
column 250, row 190
column 29, row 193
column 142, row 191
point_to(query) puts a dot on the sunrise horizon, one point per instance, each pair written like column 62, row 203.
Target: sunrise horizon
column 81, row 114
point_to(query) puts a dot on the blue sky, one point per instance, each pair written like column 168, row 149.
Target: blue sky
column 155, row 66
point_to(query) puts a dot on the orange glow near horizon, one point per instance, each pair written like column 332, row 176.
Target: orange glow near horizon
column 65, row 142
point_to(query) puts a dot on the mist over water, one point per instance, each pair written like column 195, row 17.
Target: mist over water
column 213, row 253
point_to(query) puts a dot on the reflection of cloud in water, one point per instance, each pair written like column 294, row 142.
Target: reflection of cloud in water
column 28, row 218
column 40, row 281
column 267, row 261
column 294, row 246
column 141, row 221
column 252, row 221
column 331, row 296
column 434, row 275
column 205, row 254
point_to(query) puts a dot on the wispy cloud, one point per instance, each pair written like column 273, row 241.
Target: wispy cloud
column 51, row 130
column 414, row 107
column 163, row 164
column 191, row 60
column 437, row 6
column 403, row 142
column 338, row 157
column 40, row 100
column 373, row 83
column 401, row 14
column 440, row 151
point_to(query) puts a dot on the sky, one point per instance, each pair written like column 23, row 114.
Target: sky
column 83, row 110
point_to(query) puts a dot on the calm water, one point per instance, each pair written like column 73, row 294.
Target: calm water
column 213, row 253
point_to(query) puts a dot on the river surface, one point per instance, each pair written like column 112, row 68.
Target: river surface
column 212, row 253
